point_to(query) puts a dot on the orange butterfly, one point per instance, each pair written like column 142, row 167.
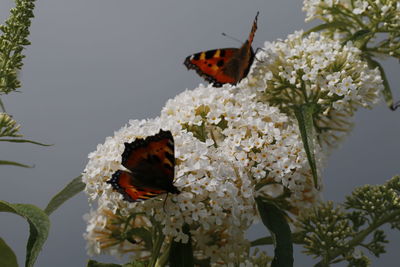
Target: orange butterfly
column 151, row 163
column 225, row 65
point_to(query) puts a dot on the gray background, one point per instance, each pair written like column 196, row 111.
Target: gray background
column 95, row 64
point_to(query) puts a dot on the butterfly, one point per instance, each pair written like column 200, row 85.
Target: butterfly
column 225, row 65
column 151, row 163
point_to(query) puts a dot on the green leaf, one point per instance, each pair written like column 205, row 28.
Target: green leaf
column 13, row 163
column 23, row 141
column 358, row 35
column 304, row 114
column 39, row 225
column 325, row 26
column 7, row 256
column 70, row 190
column 387, row 91
column 180, row 254
column 92, row 263
column 275, row 220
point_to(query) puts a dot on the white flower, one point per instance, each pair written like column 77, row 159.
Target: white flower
column 360, row 7
column 323, row 71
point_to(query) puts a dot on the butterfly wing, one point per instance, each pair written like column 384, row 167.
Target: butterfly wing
column 209, row 65
column 121, row 181
column 151, row 163
column 238, row 66
column 253, row 30
column 227, row 65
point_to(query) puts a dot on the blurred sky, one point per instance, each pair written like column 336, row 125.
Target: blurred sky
column 95, row 64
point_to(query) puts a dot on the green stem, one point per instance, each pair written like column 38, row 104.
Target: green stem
column 203, row 133
column 213, row 138
column 347, row 13
column 159, row 240
column 304, row 91
column 163, row 260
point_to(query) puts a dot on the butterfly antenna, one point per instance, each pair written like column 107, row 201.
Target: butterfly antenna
column 230, row 37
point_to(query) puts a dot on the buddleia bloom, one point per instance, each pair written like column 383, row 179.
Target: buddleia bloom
column 210, row 199
column 260, row 138
column 320, row 70
column 226, row 145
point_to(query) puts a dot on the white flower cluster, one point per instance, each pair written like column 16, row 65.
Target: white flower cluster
column 375, row 9
column 320, row 68
column 316, row 69
column 226, row 143
column 254, row 135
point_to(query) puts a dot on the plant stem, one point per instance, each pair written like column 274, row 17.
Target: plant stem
column 358, row 238
column 162, row 261
column 159, row 240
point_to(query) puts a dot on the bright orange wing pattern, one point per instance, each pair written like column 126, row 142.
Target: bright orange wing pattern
column 122, row 182
column 159, row 148
column 209, row 65
column 151, row 163
column 226, row 65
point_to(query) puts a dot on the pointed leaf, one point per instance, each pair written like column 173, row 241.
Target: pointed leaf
column 304, row 115
column 23, row 141
column 180, row 254
column 7, row 256
column 70, row 190
column 274, row 219
column 13, row 163
column 387, row 91
column 330, row 25
column 39, row 225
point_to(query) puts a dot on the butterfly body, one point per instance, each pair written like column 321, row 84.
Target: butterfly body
column 225, row 65
column 151, row 163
